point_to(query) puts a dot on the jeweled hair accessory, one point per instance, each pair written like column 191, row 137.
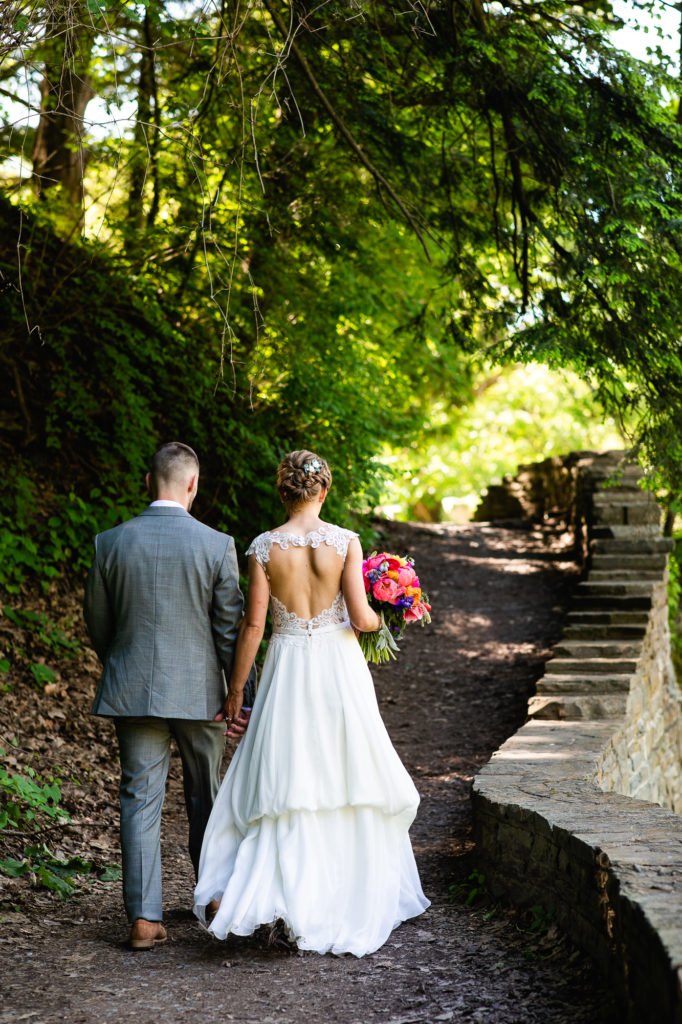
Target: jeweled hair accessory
column 314, row 466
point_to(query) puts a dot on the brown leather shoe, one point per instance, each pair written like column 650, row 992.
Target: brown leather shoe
column 212, row 908
column 146, row 934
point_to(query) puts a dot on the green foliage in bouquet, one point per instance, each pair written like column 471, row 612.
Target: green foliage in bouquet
column 379, row 647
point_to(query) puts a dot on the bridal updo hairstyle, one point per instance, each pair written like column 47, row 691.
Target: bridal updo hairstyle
column 301, row 476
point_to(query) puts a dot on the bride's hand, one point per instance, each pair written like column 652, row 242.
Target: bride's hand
column 231, row 708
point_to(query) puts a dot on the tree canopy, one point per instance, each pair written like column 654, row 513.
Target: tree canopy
column 326, row 214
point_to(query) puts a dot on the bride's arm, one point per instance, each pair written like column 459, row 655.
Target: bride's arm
column 363, row 618
column 250, row 635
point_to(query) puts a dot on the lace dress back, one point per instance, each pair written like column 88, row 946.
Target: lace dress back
column 285, row 621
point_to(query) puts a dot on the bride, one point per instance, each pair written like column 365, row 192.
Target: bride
column 310, row 825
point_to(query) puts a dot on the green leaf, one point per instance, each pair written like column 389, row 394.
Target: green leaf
column 111, row 873
column 43, row 674
column 13, row 868
column 49, row 879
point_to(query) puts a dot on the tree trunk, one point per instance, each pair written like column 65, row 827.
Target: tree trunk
column 144, row 158
column 65, row 91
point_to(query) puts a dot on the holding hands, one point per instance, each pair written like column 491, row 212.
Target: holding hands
column 234, row 714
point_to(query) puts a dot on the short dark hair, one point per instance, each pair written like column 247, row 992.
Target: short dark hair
column 172, row 463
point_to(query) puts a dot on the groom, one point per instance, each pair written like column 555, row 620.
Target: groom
column 163, row 607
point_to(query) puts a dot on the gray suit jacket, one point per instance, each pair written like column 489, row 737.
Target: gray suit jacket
column 163, row 607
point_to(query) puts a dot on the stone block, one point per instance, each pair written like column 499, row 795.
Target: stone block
column 591, row 666
column 649, row 561
column 614, row 588
column 576, row 707
column 602, row 649
column 599, row 575
column 586, row 601
column 615, row 496
column 627, row 513
column 652, row 544
column 604, row 631
column 582, row 683
column 609, row 617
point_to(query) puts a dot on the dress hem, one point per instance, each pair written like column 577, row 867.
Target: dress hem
column 244, row 930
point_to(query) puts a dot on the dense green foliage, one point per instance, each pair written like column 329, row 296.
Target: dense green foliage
column 106, row 376
column 313, row 228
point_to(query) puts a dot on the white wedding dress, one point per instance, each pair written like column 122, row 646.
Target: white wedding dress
column 310, row 824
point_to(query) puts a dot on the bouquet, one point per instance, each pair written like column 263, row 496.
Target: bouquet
column 394, row 591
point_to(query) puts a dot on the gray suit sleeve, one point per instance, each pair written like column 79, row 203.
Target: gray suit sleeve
column 97, row 610
column 228, row 608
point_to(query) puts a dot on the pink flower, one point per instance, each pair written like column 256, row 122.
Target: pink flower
column 417, row 612
column 387, row 590
column 373, row 563
column 406, row 576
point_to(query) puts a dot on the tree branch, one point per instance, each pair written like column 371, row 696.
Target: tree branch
column 17, row 99
column 342, row 127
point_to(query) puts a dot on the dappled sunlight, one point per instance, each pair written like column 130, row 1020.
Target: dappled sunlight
column 521, row 568
column 524, row 754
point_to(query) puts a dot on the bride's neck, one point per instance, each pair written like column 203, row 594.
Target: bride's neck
column 306, row 518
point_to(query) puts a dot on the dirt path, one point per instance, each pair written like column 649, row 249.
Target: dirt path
column 457, row 692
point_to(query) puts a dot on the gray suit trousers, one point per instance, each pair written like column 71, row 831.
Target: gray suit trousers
column 144, row 749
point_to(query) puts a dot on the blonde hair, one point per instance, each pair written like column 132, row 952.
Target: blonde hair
column 301, row 476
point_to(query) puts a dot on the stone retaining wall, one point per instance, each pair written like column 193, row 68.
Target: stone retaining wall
column 576, row 812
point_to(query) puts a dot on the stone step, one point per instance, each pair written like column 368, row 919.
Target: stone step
column 622, row 496
column 611, row 464
column 611, row 603
column 627, row 513
column 614, row 464
column 632, row 546
column 624, row 560
column 599, row 575
column 630, row 487
column 614, row 588
column 623, row 480
column 572, row 708
column 591, row 666
column 604, row 631
column 624, row 532
column 608, row 618
column 600, row 649
column 581, row 683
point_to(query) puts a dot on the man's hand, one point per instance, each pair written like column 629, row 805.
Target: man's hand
column 237, row 727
